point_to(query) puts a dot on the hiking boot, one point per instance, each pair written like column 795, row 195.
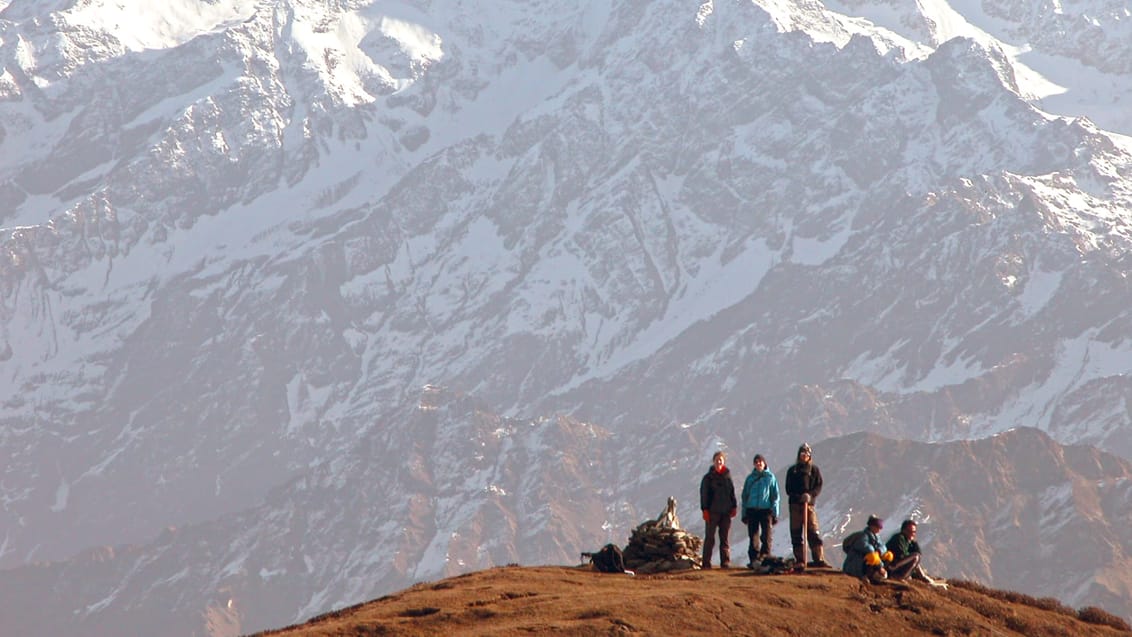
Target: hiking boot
column 725, row 565
column 706, row 566
column 799, row 567
column 818, row 553
column 919, row 573
column 800, row 555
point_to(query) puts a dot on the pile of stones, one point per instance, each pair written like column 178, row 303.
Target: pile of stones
column 660, row 545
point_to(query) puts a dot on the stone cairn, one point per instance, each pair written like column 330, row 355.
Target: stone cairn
column 660, row 545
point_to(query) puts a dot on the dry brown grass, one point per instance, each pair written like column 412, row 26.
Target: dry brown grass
column 579, row 601
column 1044, row 603
column 1094, row 615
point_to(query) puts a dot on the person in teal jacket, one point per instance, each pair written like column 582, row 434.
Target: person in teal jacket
column 760, row 510
column 865, row 554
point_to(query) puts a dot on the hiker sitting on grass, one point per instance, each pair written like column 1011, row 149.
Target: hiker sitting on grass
column 906, row 556
column 865, row 555
column 905, row 551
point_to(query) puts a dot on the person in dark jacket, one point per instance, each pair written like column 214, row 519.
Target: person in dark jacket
column 718, row 504
column 907, row 558
column 803, row 486
column 760, row 509
column 905, row 551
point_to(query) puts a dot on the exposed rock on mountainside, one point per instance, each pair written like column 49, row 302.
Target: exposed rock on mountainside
column 239, row 237
column 1016, row 511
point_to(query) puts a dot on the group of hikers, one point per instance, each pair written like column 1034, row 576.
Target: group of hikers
column 865, row 555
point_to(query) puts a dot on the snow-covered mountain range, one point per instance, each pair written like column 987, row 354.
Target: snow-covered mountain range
column 255, row 250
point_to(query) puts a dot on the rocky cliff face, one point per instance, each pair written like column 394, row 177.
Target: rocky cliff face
column 1016, row 508
column 241, row 237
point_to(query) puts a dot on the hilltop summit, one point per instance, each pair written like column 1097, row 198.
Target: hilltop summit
column 577, row 601
column 302, row 302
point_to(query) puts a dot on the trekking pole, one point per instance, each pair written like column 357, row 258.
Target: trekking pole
column 805, row 528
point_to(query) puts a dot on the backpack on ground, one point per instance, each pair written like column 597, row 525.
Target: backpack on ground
column 609, row 559
column 773, row 565
column 851, row 539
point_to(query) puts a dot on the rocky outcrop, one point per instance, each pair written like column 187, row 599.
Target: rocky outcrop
column 661, row 545
column 232, row 258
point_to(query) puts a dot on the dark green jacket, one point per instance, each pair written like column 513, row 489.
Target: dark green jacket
column 901, row 547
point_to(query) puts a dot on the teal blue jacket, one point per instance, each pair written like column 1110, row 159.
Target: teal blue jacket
column 760, row 491
column 855, row 553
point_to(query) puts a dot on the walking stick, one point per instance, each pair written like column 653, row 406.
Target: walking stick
column 805, row 527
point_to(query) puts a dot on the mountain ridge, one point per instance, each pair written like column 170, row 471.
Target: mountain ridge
column 515, row 600
column 239, row 259
column 980, row 518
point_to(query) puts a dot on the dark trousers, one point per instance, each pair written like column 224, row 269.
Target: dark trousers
column 901, row 569
column 758, row 522
column 720, row 522
column 804, row 522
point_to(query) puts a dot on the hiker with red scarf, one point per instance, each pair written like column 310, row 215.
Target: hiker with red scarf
column 718, row 504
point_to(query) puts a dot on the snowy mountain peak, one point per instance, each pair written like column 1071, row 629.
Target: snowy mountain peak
column 239, row 238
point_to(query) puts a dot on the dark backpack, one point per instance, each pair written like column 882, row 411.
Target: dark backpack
column 851, row 539
column 609, row 559
column 774, row 565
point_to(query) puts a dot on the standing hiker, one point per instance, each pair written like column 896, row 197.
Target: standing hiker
column 803, row 486
column 865, row 556
column 760, row 509
column 717, row 502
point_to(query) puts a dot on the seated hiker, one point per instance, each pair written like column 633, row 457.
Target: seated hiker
column 865, row 555
column 905, row 551
column 906, row 556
